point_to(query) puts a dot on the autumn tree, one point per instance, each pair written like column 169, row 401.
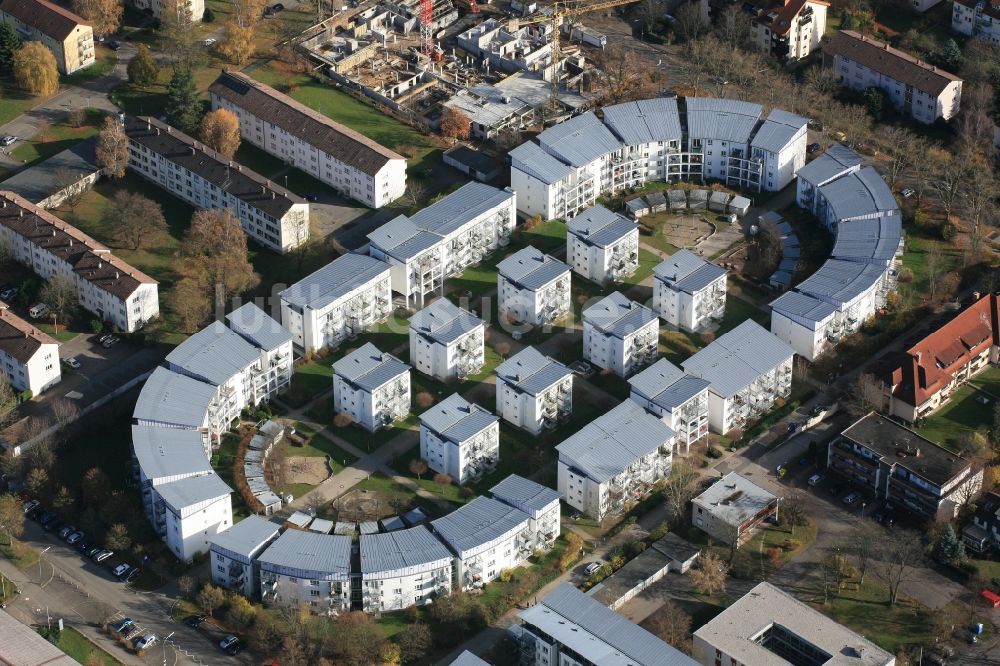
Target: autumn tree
column 241, row 613
column 35, row 69
column 415, row 641
column 678, row 490
column 11, row 517
column 105, row 16
column 621, row 77
column 355, row 638
column 142, row 68
column 216, row 249
column 112, row 148
column 136, row 220
column 240, row 30
column 671, row 624
column 220, row 130
column 60, row 293
column 63, row 499
column 709, row 577
column 183, row 105
column 418, row 467
column 187, row 300
column 455, row 124
column 96, row 487
column 10, row 42
column 8, row 401
column 182, row 45
column 118, row 537
column 210, row 598
column 38, row 482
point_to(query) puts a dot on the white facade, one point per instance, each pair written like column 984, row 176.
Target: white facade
column 689, row 292
column 976, row 17
column 680, row 400
column 195, row 8
column 533, row 287
column 235, row 552
column 109, row 288
column 345, row 160
column 371, row 386
column 602, row 246
column 533, row 391
column 196, row 509
column 731, row 509
column 460, row 439
column 789, row 30
column 403, row 568
column 447, row 342
column 346, row 297
column 307, row 569
column 29, row 359
column 539, row 502
column 620, row 335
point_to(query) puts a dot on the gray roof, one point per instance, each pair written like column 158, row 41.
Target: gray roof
column 617, row 316
column 533, row 160
column 779, row 128
column 415, row 516
column 610, row 443
column 579, row 140
column 215, row 354
column 443, row 321
column 468, row 659
column 247, row 536
column 835, row 162
column 21, row 645
column 531, row 371
column 685, row 271
column 460, row 207
column 456, row 419
column 328, row 554
column 524, row 493
column 859, row 194
column 645, row 121
column 392, row 523
column 400, row 238
column 391, row 551
column 321, row 526
column 480, row 521
column 42, row 180
column 193, row 490
column 166, row 452
column 171, row 397
column 736, row 359
column 601, row 227
column 876, row 239
column 531, row 269
column 368, row 368
column 368, row 527
column 667, row 385
column 734, row 631
column 721, row 119
column 258, row 327
column 607, row 638
column 335, row 280
column 735, row 499
column 676, row 547
column 803, row 308
column 841, row 282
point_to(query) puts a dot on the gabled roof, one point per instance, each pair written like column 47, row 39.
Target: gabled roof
column 21, row 645
column 214, row 354
column 601, row 227
column 335, row 280
column 368, row 368
column 327, row 555
column 617, row 316
column 456, row 419
column 531, row 269
column 533, row 160
column 164, row 452
column 532, row 372
column 736, row 359
column 803, row 308
column 859, row 194
column 48, row 18
column 247, row 536
column 666, row 385
column 685, row 271
column 20, row 338
column 778, row 130
column 259, row 328
column 645, row 121
column 392, row 551
column 842, row 282
column 170, row 397
column 444, row 322
column 524, row 493
column 480, row 521
column 888, row 61
column 193, row 490
column 462, row 206
column 579, row 140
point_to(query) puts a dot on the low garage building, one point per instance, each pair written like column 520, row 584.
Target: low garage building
column 671, row 553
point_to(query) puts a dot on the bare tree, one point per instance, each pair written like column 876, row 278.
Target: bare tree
column 8, row 401
column 978, row 200
column 732, row 26
column 945, row 179
column 68, row 181
column 709, row 577
column 415, row 192
column 793, row 512
column 863, row 546
column 673, row 625
column 678, row 490
column 974, row 125
column 865, row 395
column 903, row 148
column 418, row 467
column 62, row 296
column 620, row 77
column 690, row 23
column 900, row 552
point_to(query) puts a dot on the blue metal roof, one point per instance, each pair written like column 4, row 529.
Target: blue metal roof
column 368, row 368
column 320, row 556
column 803, row 308
column 530, row 158
column 645, row 121
column 524, row 494
column 460, row 207
column 721, row 119
column 834, row 163
column 616, row 315
column 778, row 130
column 859, row 194
column 214, row 354
column 685, row 271
column 601, row 227
column 192, row 490
column 258, row 327
column 531, row 371
column 247, row 536
column 456, row 419
column 170, row 397
column 480, row 521
column 335, row 280
column 402, row 239
column 580, row 140
column 841, row 282
column 666, row 385
column 165, row 452
column 444, row 322
column 875, row 239
column 400, row 549
column 736, row 359
column 530, row 269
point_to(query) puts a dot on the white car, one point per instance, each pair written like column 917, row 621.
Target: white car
column 120, row 570
column 815, row 479
column 209, row 41
column 72, row 362
column 592, row 567
column 7, row 139
column 145, row 642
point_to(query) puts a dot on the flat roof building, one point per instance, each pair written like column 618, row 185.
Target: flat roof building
column 731, row 509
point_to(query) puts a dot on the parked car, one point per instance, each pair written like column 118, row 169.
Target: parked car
column 29, row 505
column 121, row 570
column 8, row 292
column 195, row 620
column 815, row 479
column 38, row 310
column 114, row 45
column 130, row 632
column 7, row 139
column 102, row 555
column 907, row 192
column 109, row 341
column 208, row 42
column 145, row 641
column 54, row 524
column 813, row 147
column 91, row 551
column 35, row 513
column 235, row 648
column 121, row 625
column 591, row 568
column 132, row 575
column 74, row 537
column 66, row 531
column 72, row 362
column 228, row 642
column 851, row 498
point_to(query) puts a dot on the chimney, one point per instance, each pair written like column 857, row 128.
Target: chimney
column 116, row 275
column 100, row 264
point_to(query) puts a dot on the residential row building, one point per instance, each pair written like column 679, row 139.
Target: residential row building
column 303, row 568
column 372, row 387
column 976, row 18
column 787, row 29
column 69, row 36
column 182, row 411
column 187, row 10
column 614, row 460
column 748, row 369
column 732, row 508
column 915, row 88
column 533, row 288
column 344, row 159
column 539, row 502
column 112, row 290
column 679, row 399
column 443, row 239
column 602, row 246
column 534, row 392
column 620, row 335
column 906, row 470
column 402, row 568
column 345, row 298
column 29, row 357
column 688, row 291
column 460, row 439
column 271, row 216
column 234, row 554
column 568, row 166
column 447, row 342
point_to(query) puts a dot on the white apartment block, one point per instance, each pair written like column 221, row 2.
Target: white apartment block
column 679, row 399
column 620, row 335
column 836, row 162
column 270, row 215
column 195, row 510
column 688, row 291
column 403, row 568
column 460, row 439
column 614, row 460
column 539, row 502
column 787, row 29
column 348, row 296
column 446, row 341
column 194, row 9
column 346, row 160
column 235, row 552
column 534, row 392
column 29, row 358
column 307, row 569
column 173, row 400
column 443, row 239
column 665, row 139
column 747, row 368
column 115, row 292
column 373, row 387
column 980, row 18
column 486, row 537
column 533, row 288
column 915, row 88
column 602, row 246
column 732, row 508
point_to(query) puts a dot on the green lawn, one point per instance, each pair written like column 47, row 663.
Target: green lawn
column 321, row 446
column 678, row 346
column 20, row 554
column 257, row 160
column 368, row 441
column 14, row 102
column 919, row 256
column 63, row 334
column 79, row 647
column 865, row 610
column 647, row 261
column 989, row 380
column 310, row 380
column 964, row 414
column 321, row 411
column 105, row 63
column 547, row 236
column 56, row 139
column 738, row 311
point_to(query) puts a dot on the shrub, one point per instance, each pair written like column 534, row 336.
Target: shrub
column 208, row 16
column 714, row 452
column 342, row 420
column 465, row 492
column 774, row 555
column 506, row 575
column 948, row 231
column 424, row 399
column 905, row 275
column 442, row 479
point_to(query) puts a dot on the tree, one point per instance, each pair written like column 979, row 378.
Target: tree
column 238, row 45
column 709, row 577
column 210, row 598
column 220, row 130
column 189, row 302
column 900, row 552
column 415, row 641
column 793, row 512
column 105, row 16
column 118, row 537
column 673, row 625
column 454, row 124
column 186, row 585
column 11, row 517
column 60, row 293
column 38, row 482
column 35, row 69
column 864, row 396
column 63, row 499
column 10, row 42
column 948, row 549
column 733, row 28
column 418, row 467
column 177, row 31
column 142, row 68
column 442, row 479
column 994, row 433
column 621, row 77
column 217, row 241
column 821, row 81
column 136, row 220
column 95, row 487
column 863, row 546
column 876, row 102
column 978, row 200
column 903, row 148
column 950, row 55
column 241, row 613
column 415, row 193
column 356, row 640
column 8, row 401
column 67, row 180
column 343, row 420
column 112, row 148
column 690, row 22
column 183, row 106
column 678, row 490
column 836, row 569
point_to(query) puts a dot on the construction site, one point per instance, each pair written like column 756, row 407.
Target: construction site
column 504, row 66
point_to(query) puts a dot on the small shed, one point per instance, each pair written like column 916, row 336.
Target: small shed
column 678, row 200
column 698, row 199
column 787, row 264
column 270, row 500
column 638, row 573
column 252, row 469
column 321, row 525
column 272, row 430
column 368, row 527
column 717, row 202
column 781, row 280
column 393, row 523
column 637, row 207
column 345, row 529
column 789, row 241
column 415, row 517
column 682, row 553
column 738, row 205
column 258, row 485
column 260, row 442
column 254, row 456
column 299, row 519
column 657, row 202
column 473, row 163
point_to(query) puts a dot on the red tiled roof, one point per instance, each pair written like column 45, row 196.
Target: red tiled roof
column 48, row 18
column 19, row 338
column 884, row 59
column 778, row 15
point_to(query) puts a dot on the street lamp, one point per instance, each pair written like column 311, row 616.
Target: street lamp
column 47, row 548
column 165, row 639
